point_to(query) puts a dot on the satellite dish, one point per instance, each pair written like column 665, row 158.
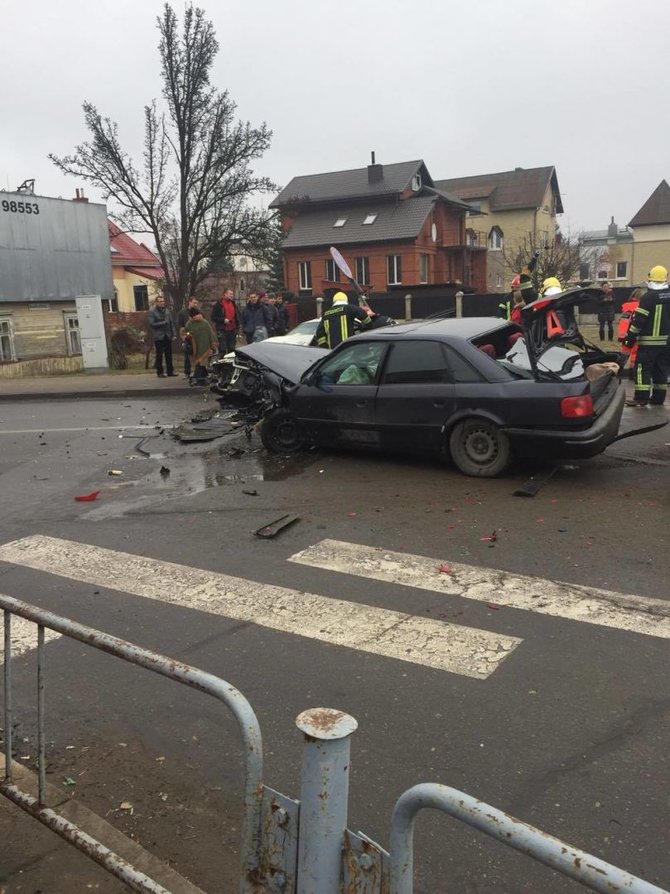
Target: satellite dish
column 433, row 232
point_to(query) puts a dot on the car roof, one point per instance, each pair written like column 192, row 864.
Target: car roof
column 458, row 327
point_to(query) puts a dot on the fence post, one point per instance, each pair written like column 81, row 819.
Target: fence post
column 408, row 306
column 324, row 796
column 319, row 305
column 459, row 304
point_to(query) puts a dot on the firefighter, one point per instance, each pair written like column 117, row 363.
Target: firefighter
column 650, row 330
column 337, row 323
column 628, row 308
column 551, row 286
column 522, row 282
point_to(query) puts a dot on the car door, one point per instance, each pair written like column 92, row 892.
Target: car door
column 415, row 396
column 336, row 404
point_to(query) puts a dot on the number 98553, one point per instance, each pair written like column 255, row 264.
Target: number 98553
column 20, row 207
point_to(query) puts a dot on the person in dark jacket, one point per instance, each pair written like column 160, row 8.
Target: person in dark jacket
column 606, row 312
column 337, row 323
column 272, row 313
column 255, row 320
column 282, row 310
column 225, row 323
column 162, row 328
column 650, row 330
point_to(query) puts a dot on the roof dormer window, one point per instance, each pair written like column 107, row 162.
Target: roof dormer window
column 340, row 222
column 369, row 219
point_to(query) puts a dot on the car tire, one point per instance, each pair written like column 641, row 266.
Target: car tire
column 281, row 433
column 478, row 448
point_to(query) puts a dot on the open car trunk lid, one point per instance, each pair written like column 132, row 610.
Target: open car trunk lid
column 549, row 322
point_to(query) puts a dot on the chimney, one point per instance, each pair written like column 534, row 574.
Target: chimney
column 375, row 171
column 612, row 229
column 79, row 196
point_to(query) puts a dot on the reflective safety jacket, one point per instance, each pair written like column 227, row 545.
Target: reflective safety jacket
column 650, row 325
column 337, row 324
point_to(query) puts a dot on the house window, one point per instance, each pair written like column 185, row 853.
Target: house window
column 394, row 270
column 621, row 267
column 474, row 210
column 423, row 268
column 584, row 271
column 332, row 271
column 72, row 334
column 113, row 303
column 6, row 340
column 602, row 274
column 141, row 294
column 305, row 275
column 499, row 281
column 369, row 219
column 496, row 239
column 340, row 222
column 362, row 270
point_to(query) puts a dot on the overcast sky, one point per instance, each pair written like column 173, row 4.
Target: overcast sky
column 469, row 87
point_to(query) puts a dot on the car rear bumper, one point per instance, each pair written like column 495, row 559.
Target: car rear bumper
column 571, row 444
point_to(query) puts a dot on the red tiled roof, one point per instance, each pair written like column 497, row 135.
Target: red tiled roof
column 125, row 251
column 148, row 272
column 656, row 210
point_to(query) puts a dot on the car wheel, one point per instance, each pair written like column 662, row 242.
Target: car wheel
column 281, row 432
column 479, row 448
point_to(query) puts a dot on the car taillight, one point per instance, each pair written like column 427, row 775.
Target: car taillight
column 574, row 407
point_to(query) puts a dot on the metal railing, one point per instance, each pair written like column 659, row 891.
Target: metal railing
column 288, row 846
column 165, row 667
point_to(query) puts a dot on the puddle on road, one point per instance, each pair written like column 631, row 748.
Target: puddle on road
column 228, row 461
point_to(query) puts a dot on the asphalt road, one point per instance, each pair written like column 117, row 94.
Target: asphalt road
column 567, row 730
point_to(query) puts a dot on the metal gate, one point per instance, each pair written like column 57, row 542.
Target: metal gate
column 289, row 846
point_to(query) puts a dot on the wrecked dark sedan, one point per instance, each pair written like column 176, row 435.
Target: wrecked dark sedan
column 477, row 390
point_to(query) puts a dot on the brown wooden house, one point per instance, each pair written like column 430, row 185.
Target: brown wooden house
column 392, row 225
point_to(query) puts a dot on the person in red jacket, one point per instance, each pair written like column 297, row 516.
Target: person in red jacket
column 628, row 308
column 225, row 322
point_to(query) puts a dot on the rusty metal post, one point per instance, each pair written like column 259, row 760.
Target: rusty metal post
column 324, row 798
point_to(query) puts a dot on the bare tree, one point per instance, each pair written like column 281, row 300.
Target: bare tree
column 193, row 188
column 560, row 257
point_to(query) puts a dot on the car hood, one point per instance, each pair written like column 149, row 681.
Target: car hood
column 286, row 360
column 551, row 321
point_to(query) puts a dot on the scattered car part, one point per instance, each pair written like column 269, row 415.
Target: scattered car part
column 275, row 527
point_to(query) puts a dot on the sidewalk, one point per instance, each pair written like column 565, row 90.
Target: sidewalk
column 83, row 385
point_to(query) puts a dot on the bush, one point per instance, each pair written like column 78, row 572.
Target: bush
column 123, row 342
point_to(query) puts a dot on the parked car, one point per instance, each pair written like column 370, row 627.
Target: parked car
column 479, row 390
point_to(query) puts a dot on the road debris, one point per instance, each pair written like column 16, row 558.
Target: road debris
column 164, row 471
column 250, row 493
column 492, row 537
column 534, row 483
column 444, row 569
column 115, row 472
column 88, row 498
column 275, row 527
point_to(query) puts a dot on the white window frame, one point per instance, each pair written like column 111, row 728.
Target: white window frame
column 332, row 271
column 340, row 222
column 7, row 336
column 424, row 268
column 362, row 270
column 305, row 276
column 625, row 269
column 496, row 239
column 72, row 333
column 394, row 269
column 370, row 219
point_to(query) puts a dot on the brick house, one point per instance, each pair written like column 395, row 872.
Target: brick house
column 391, row 224
column 508, row 209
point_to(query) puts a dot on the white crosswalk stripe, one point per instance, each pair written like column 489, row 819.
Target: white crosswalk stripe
column 404, row 636
column 547, row 597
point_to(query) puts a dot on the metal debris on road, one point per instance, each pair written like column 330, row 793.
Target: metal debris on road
column 115, row 472
column 88, row 498
column 164, row 471
column 275, row 527
column 250, row 493
column 534, row 483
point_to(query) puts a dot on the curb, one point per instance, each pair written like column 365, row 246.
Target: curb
column 85, row 395
column 100, row 829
